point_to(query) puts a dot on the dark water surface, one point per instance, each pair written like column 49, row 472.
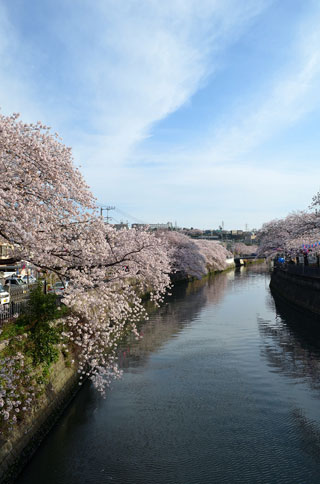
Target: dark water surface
column 224, row 388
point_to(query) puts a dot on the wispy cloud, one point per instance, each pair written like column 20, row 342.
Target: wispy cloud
column 122, row 66
column 288, row 98
column 222, row 170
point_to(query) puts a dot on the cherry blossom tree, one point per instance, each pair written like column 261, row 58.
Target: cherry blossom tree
column 194, row 257
column 184, row 254
column 49, row 218
column 288, row 235
column 243, row 249
column 215, row 254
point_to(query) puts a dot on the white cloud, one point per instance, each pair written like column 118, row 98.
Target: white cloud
column 220, row 175
column 126, row 65
column 284, row 101
column 289, row 98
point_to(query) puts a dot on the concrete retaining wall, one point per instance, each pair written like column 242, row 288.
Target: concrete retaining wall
column 23, row 441
column 299, row 290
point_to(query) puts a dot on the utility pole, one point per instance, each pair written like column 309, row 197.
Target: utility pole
column 108, row 208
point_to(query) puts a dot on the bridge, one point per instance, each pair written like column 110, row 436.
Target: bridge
column 241, row 259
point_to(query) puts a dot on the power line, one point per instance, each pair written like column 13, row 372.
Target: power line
column 108, row 208
column 121, row 212
column 132, row 217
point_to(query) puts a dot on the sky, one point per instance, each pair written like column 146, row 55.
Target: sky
column 189, row 111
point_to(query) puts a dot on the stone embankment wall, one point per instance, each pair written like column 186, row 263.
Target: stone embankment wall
column 25, row 438
column 300, row 290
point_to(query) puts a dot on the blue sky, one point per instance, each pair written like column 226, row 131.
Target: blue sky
column 194, row 111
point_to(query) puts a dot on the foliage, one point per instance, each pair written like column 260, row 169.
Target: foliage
column 243, row 249
column 44, row 339
column 287, row 235
column 194, row 257
column 18, row 386
column 41, row 307
column 37, row 320
column 30, row 347
column 49, row 217
column 10, row 330
column 215, row 255
column 184, row 254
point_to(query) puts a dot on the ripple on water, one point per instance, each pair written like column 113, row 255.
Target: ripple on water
column 222, row 389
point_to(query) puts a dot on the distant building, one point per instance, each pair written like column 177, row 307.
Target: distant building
column 120, row 226
column 209, row 237
column 249, row 238
column 167, row 226
column 138, row 226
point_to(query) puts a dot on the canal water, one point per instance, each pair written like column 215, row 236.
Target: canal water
column 223, row 388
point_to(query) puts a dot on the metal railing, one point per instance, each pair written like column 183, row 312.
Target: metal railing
column 19, row 296
column 12, row 310
column 301, row 270
column 18, row 293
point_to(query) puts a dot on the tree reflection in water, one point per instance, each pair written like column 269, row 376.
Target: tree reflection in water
column 309, row 434
column 291, row 342
column 291, row 345
column 179, row 310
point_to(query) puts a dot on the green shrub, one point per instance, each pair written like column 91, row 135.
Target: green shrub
column 41, row 307
column 43, row 335
column 43, row 341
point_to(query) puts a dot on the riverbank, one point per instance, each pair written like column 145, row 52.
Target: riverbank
column 18, row 446
column 300, row 291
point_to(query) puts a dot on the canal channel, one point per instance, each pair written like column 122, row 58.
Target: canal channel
column 224, row 387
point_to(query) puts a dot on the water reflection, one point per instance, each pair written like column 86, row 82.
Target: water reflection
column 309, row 434
column 208, row 395
column 291, row 342
column 183, row 307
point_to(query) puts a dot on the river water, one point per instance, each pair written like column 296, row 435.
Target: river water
column 223, row 388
